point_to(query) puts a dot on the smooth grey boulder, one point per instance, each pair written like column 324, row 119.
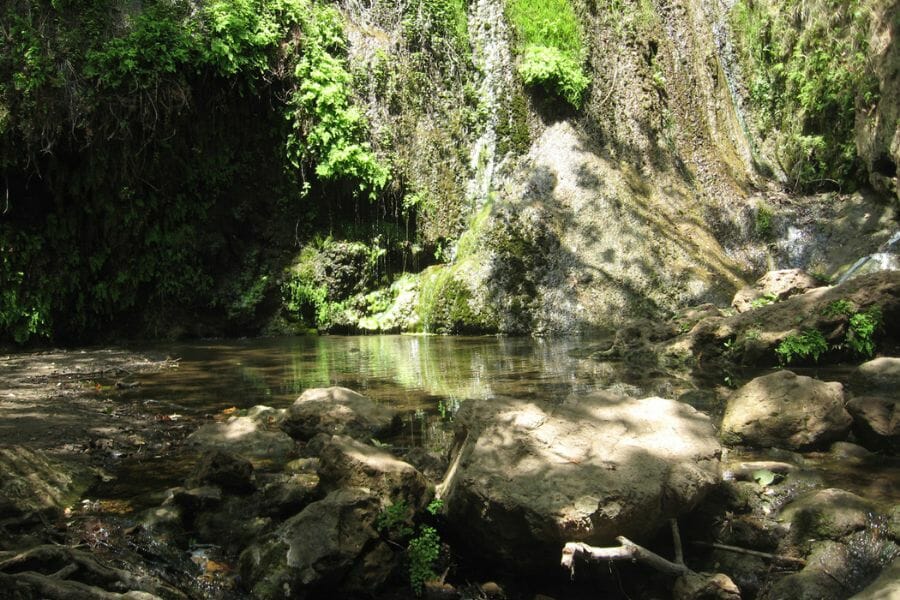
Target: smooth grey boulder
column 528, row 477
column 880, row 373
column 786, row 410
column 346, row 462
column 331, row 546
column 778, row 285
column 337, row 411
column 253, row 437
column 876, row 421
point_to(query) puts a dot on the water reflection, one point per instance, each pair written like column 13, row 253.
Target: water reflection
column 425, row 377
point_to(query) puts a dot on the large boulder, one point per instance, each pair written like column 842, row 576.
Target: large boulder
column 876, row 421
column 253, row 436
column 827, row 514
column 786, row 410
column 337, row 411
column 346, row 462
column 332, row 546
column 529, row 476
column 881, row 373
column 774, row 286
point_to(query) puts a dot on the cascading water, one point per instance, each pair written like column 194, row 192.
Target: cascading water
column 490, row 40
column 883, row 258
column 727, row 58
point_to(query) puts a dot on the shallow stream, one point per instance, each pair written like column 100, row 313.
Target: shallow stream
column 426, row 378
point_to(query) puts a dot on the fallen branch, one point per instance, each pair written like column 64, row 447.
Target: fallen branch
column 628, row 550
column 739, row 550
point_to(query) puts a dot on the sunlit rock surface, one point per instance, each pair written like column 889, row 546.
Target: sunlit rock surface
column 785, row 410
column 530, row 476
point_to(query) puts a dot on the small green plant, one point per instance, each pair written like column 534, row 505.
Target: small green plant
column 394, row 520
column 423, row 551
column 838, row 308
column 763, row 221
column 810, row 343
column 434, row 507
column 764, row 300
column 862, row 330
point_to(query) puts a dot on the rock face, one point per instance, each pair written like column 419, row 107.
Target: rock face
column 346, row 462
column 530, row 476
column 331, row 546
column 337, row 411
column 774, row 285
column 785, row 410
column 876, row 422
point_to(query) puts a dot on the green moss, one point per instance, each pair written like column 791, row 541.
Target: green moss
column 446, row 304
column 808, row 70
column 550, row 45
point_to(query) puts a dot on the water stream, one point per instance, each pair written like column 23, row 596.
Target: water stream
column 426, row 378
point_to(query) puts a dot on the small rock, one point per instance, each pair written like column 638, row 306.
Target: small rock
column 778, row 285
column 346, row 462
column 225, row 470
column 249, row 437
column 876, row 421
column 337, row 411
column 705, row 586
column 786, row 410
column 827, row 514
column 436, row 590
column 492, row 589
column 846, row 450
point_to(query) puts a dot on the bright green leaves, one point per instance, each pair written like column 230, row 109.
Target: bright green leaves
column 550, row 68
column 550, row 46
column 809, row 343
column 327, row 128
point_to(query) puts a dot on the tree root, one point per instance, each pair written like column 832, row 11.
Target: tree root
column 66, row 573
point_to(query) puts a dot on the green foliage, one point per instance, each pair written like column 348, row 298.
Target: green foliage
column 423, row 551
column 860, row 335
column 134, row 140
column 809, row 73
column 810, row 343
column 550, row 46
column 395, row 521
column 838, row 308
column 764, row 300
column 550, row 68
column 763, row 221
column 327, row 127
column 861, row 326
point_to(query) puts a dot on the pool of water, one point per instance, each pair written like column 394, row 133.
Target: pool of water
column 426, row 378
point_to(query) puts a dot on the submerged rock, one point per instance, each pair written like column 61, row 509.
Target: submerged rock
column 331, row 546
column 786, row 410
column 34, row 483
column 530, row 476
column 337, row 411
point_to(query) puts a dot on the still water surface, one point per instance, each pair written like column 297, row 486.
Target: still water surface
column 426, row 378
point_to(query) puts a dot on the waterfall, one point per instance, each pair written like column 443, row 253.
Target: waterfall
column 882, row 257
column 490, row 41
